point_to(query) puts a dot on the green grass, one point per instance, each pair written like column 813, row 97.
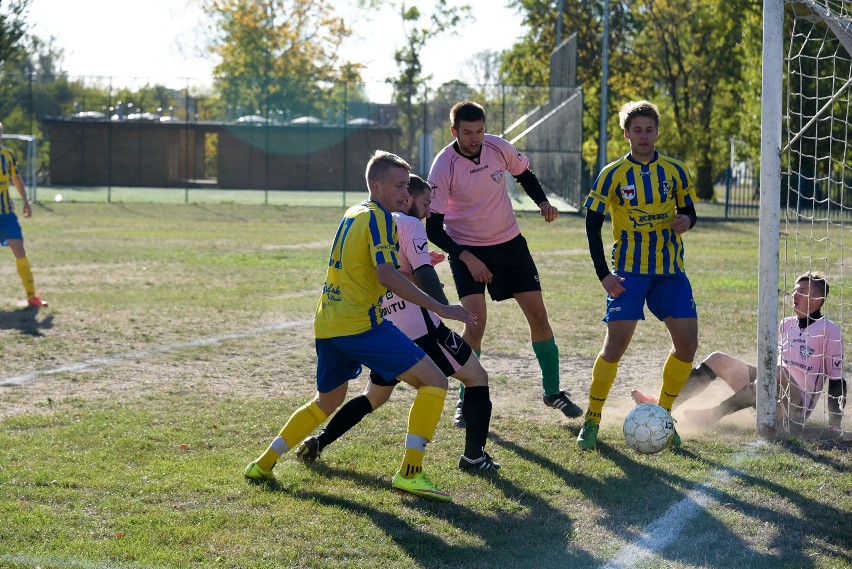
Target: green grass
column 136, row 461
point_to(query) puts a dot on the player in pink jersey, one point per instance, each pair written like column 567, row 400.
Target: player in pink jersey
column 810, row 353
column 473, row 221
column 452, row 354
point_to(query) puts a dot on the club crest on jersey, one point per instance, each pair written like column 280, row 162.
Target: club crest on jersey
column 629, row 192
column 665, row 189
column 497, row 176
column 805, row 351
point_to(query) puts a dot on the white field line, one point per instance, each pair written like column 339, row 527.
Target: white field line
column 660, row 533
column 107, row 360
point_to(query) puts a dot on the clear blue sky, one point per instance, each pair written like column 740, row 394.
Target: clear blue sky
column 156, row 41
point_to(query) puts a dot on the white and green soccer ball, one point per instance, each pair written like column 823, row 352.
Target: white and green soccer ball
column 648, row 428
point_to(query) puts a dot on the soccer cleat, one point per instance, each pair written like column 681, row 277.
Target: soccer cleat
column 256, row 474
column 588, row 437
column 675, row 438
column 481, row 464
column 36, row 301
column 640, row 398
column 308, row 450
column 421, row 486
column 458, row 418
column 560, row 401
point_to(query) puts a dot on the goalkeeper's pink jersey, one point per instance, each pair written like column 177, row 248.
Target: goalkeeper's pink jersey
column 472, row 193
column 810, row 355
column 413, row 254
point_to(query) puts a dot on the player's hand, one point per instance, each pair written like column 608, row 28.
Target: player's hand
column 548, row 212
column 612, row 285
column 28, row 209
column 457, row 312
column 436, row 258
column 477, row 268
column 681, row 223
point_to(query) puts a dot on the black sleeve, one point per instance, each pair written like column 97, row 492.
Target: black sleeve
column 531, row 186
column 438, row 235
column 836, row 401
column 594, row 223
column 428, row 281
column 690, row 211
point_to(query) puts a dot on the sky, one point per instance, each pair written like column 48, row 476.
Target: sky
column 155, row 41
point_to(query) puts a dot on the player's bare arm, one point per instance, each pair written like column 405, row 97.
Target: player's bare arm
column 477, row 268
column 393, row 280
column 19, row 184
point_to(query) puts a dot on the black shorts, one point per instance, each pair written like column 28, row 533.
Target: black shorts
column 446, row 348
column 510, row 263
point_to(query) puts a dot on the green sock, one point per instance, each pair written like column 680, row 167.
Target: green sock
column 547, row 353
column 461, row 385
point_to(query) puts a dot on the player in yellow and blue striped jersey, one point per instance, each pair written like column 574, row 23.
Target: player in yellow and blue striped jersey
column 10, row 229
column 651, row 200
column 350, row 330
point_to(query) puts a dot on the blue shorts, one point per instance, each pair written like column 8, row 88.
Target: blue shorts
column 384, row 349
column 9, row 228
column 666, row 296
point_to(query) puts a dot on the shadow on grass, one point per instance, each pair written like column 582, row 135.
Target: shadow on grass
column 789, row 526
column 26, row 321
column 532, row 535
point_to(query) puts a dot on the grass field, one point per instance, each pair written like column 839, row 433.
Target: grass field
column 179, row 340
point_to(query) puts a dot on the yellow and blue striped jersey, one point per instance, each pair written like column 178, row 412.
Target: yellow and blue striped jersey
column 352, row 295
column 642, row 200
column 8, row 170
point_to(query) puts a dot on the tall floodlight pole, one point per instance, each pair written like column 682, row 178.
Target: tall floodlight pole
column 770, row 215
column 602, row 159
column 559, row 6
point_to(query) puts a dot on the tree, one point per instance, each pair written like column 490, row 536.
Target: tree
column 409, row 86
column 12, row 50
column 528, row 62
column 277, row 54
column 693, row 56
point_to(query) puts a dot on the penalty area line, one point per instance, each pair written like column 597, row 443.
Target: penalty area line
column 143, row 354
column 662, row 532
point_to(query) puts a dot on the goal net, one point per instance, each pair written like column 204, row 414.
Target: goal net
column 24, row 146
column 816, row 204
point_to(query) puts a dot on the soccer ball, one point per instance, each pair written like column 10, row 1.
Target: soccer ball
column 648, row 428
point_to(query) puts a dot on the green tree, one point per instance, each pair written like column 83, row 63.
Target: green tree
column 691, row 51
column 13, row 31
column 409, row 86
column 528, row 62
column 277, row 55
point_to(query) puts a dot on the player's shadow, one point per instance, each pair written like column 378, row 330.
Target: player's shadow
column 538, row 530
column 26, row 321
column 640, row 493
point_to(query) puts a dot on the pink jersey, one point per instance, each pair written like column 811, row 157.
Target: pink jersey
column 810, row 355
column 471, row 194
column 413, row 254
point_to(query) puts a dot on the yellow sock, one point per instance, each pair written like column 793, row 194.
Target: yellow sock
column 603, row 376
column 26, row 274
column 675, row 374
column 298, row 426
column 422, row 422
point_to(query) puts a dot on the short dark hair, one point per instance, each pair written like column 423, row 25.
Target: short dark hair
column 817, row 278
column 380, row 162
column 467, row 111
column 417, row 186
column 635, row 109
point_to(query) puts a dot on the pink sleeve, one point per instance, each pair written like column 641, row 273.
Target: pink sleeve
column 439, row 181
column 516, row 163
column 413, row 245
column 833, row 352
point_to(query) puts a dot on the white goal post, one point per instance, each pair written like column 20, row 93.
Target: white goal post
column 30, row 171
column 806, row 209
